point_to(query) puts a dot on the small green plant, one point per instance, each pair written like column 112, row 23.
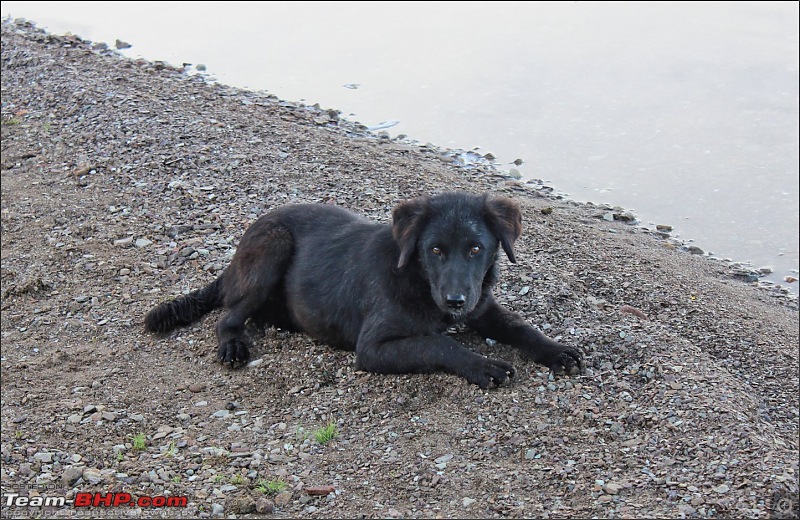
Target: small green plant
column 120, row 456
column 47, row 127
column 172, row 449
column 237, row 480
column 176, row 479
column 140, row 441
column 11, row 121
column 218, row 478
column 18, row 434
column 326, row 433
column 271, row 487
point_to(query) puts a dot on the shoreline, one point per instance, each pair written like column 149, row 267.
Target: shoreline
column 127, row 182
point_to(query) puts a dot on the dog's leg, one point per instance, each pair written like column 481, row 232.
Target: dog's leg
column 258, row 266
column 500, row 324
column 423, row 354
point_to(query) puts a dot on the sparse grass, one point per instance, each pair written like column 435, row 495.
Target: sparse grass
column 11, row 121
column 271, row 487
column 120, row 456
column 237, row 480
column 326, row 433
column 172, row 450
column 176, row 479
column 140, row 441
column 218, row 478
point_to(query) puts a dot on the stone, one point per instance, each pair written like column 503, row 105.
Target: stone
column 264, row 506
column 71, row 475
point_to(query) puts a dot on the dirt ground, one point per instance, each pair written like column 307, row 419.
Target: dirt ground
column 128, row 182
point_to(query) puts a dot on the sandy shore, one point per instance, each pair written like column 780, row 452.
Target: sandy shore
column 124, row 183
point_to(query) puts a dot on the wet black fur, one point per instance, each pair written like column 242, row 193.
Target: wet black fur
column 387, row 291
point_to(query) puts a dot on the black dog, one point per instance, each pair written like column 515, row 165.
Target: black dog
column 389, row 292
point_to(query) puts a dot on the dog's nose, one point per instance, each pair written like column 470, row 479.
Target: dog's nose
column 455, row 301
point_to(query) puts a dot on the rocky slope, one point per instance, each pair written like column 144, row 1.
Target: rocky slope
column 125, row 183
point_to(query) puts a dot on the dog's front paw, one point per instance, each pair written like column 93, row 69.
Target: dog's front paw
column 486, row 372
column 564, row 360
column 233, row 351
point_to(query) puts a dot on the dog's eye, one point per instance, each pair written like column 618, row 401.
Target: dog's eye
column 475, row 250
column 436, row 251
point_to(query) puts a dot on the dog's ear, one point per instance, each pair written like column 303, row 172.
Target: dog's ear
column 407, row 221
column 505, row 220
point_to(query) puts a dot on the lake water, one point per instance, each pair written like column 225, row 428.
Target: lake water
column 684, row 112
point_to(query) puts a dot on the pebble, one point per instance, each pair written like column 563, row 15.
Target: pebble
column 217, row 509
column 243, row 505
column 71, row 475
column 281, row 499
column 466, row 501
column 722, row 488
column 93, row 476
column 142, row 242
column 197, row 387
column 444, row 458
column 44, row 457
column 264, row 506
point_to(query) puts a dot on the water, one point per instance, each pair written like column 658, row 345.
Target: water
column 685, row 112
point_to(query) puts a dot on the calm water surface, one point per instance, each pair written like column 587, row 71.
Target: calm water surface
column 685, row 112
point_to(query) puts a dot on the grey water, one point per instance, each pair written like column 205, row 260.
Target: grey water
column 685, row 113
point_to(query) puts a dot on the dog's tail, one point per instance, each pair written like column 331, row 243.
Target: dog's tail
column 185, row 309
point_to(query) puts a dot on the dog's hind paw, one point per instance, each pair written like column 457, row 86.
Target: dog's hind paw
column 233, row 351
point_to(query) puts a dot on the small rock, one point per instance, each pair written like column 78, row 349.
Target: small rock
column 443, row 458
column 45, row 457
column 466, row 501
column 611, row 488
column 264, row 506
column 142, row 242
column 93, row 476
column 217, row 509
column 283, row 498
column 243, row 505
column 197, row 387
column 123, row 242
column 722, row 488
column 319, row 490
column 71, row 475
column 119, row 44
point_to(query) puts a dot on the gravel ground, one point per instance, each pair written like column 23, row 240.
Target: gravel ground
column 128, row 182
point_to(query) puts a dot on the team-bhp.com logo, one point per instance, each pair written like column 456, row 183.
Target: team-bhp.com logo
column 93, row 500
column 785, row 505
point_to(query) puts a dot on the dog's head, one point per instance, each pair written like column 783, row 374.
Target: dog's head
column 455, row 238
